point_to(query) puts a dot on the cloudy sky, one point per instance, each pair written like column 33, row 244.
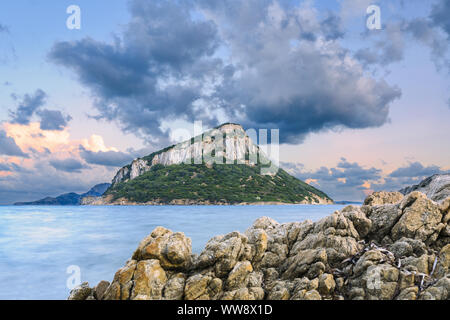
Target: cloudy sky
column 358, row 109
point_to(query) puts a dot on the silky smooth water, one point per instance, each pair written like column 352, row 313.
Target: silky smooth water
column 39, row 243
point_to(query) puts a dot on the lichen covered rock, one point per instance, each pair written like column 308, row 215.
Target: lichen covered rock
column 173, row 250
column 81, row 292
column 383, row 197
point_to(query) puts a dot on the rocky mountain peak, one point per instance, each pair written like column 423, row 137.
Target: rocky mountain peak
column 230, row 126
column 228, row 141
column 220, row 166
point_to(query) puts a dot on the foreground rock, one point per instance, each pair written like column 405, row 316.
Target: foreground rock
column 393, row 247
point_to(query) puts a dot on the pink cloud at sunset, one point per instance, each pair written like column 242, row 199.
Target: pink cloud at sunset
column 31, row 137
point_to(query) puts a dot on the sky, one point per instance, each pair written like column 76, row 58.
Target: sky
column 359, row 107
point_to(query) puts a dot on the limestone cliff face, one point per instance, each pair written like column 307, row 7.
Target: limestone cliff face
column 236, row 147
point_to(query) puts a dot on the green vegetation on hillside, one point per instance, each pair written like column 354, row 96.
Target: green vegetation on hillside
column 219, row 183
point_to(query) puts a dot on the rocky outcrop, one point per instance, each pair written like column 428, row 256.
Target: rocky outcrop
column 383, row 197
column 236, row 146
column 436, row 187
column 393, row 250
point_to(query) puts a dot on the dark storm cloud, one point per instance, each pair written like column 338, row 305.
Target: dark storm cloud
column 170, row 36
column 343, row 182
column 154, row 72
column 440, row 15
column 354, row 173
column 28, row 106
column 415, row 169
column 388, row 45
column 256, row 62
column 67, row 165
column 432, row 31
column 332, row 27
column 53, row 119
column 424, row 31
column 300, row 88
column 108, row 158
column 8, row 146
column 408, row 175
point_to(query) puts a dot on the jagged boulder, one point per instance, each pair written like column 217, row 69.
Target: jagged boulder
column 149, row 280
column 421, row 219
column 326, row 284
column 173, row 250
column 81, row 292
column 372, row 277
column 383, row 219
column 223, row 252
column 120, row 288
column 438, row 291
column 383, row 197
column 237, row 277
column 329, row 241
column 174, row 288
column 100, row 289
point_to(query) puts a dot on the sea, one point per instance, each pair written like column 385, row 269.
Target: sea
column 46, row 250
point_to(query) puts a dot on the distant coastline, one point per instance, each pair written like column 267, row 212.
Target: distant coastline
column 101, row 201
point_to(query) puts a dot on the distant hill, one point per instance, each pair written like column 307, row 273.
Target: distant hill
column 172, row 176
column 68, row 199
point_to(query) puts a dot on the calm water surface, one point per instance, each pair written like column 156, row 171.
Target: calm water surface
column 39, row 243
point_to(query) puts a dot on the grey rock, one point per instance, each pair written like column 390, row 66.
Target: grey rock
column 436, row 187
column 100, row 289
